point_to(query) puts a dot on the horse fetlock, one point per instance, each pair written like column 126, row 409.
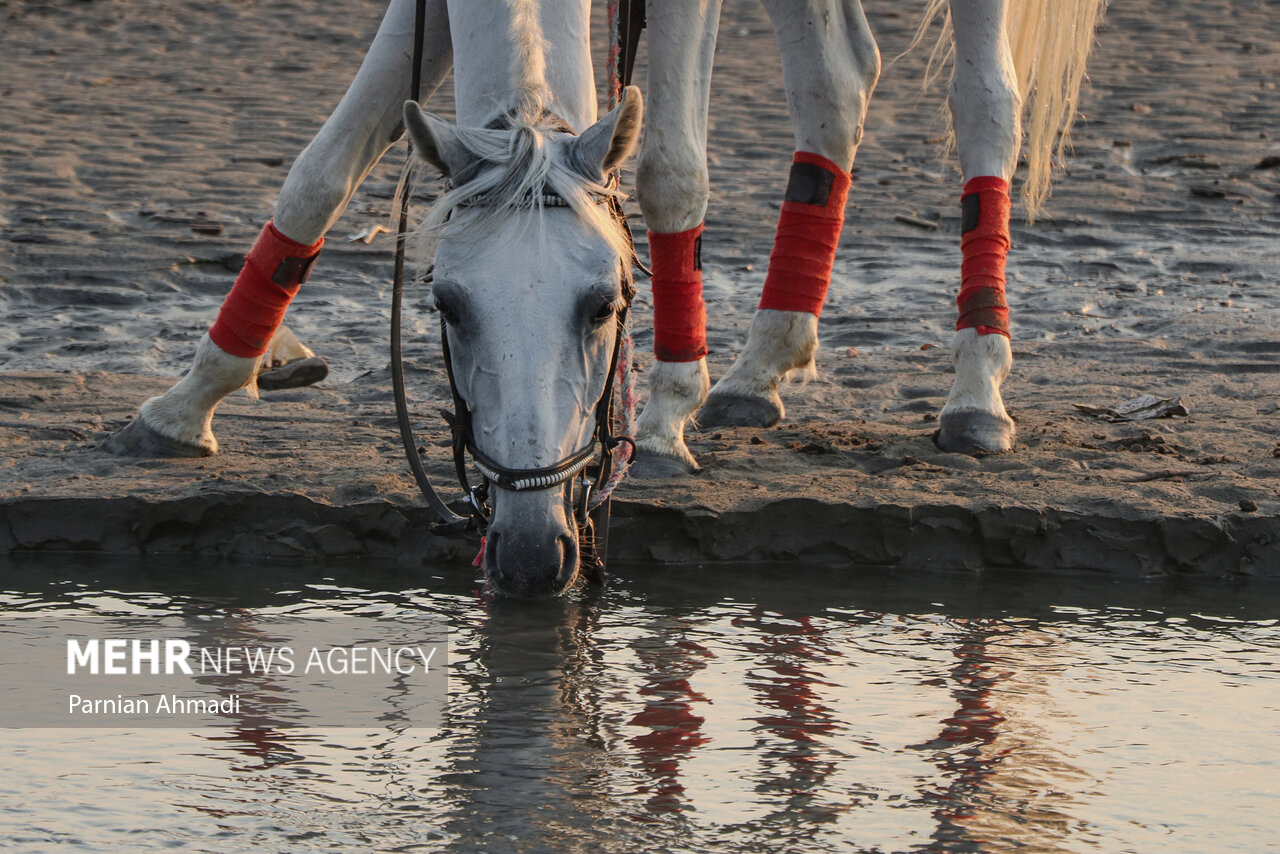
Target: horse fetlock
column 974, row 419
column 747, row 395
column 982, row 362
column 179, row 422
column 676, row 390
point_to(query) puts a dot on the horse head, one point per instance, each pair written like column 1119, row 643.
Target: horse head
column 531, row 276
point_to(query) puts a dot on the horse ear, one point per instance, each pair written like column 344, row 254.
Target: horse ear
column 605, row 145
column 436, row 141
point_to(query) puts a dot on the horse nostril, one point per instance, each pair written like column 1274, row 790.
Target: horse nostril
column 568, row 558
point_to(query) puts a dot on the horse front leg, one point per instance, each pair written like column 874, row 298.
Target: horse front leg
column 320, row 184
column 985, row 110
column 830, row 65
column 673, row 186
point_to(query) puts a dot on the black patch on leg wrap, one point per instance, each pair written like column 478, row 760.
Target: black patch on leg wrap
column 970, row 212
column 293, row 271
column 809, row 184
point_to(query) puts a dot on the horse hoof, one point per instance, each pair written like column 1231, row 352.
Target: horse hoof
column 136, row 439
column 733, row 410
column 650, row 465
column 297, row 374
column 971, row 431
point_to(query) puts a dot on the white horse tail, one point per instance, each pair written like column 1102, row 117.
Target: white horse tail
column 1050, row 42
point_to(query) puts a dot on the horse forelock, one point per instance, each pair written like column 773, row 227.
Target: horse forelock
column 515, row 169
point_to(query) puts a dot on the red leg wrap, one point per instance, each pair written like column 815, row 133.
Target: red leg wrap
column 679, row 314
column 984, row 242
column 252, row 312
column 808, row 233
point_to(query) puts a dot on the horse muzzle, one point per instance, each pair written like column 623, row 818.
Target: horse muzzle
column 531, row 547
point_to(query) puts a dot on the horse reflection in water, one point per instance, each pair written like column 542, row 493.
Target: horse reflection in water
column 663, row 724
column 531, row 271
column 613, row 721
column 1008, row 778
column 672, row 729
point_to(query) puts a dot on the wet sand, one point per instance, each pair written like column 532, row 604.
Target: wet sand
column 142, row 144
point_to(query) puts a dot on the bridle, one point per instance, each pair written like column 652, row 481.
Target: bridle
column 595, row 486
column 546, row 477
column 590, row 517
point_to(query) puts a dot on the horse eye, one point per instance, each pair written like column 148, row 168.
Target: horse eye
column 603, row 313
column 449, row 315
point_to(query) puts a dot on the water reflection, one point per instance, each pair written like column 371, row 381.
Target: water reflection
column 720, row 712
column 668, row 659
column 795, row 657
column 1008, row 778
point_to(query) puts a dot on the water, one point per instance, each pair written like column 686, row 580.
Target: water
column 689, row 709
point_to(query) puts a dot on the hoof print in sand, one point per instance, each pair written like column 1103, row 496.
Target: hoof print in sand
column 652, row 466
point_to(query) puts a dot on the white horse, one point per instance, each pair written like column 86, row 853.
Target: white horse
column 531, row 291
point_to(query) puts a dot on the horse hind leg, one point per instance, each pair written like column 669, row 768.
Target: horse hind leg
column 830, row 65
column 672, row 186
column 985, row 108
column 320, row 184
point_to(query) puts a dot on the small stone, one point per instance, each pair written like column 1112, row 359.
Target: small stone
column 1207, row 192
column 852, row 352
column 756, row 440
column 1248, row 505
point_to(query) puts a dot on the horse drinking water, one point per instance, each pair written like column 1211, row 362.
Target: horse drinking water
column 530, row 269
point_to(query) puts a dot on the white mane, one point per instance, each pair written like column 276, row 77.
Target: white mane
column 529, row 49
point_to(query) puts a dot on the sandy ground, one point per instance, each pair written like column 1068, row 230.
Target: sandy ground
column 142, row 143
